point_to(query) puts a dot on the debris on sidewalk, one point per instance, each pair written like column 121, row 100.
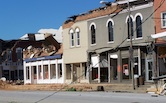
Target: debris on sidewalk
column 157, row 90
column 163, row 90
column 2, row 84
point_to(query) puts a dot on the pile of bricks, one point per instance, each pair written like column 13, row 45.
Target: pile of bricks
column 2, row 84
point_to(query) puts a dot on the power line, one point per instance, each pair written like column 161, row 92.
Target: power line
column 64, row 86
column 161, row 3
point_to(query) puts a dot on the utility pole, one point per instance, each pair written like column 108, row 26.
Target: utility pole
column 131, row 47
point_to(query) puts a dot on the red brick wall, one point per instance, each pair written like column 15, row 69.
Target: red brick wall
column 157, row 15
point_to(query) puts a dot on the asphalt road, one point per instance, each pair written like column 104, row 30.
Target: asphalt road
column 76, row 97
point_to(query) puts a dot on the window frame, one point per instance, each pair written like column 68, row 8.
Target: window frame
column 27, row 73
column 72, row 42
column 110, row 34
column 93, row 33
column 9, row 55
column 138, row 27
column 77, row 33
column 132, row 28
column 163, row 20
column 19, row 53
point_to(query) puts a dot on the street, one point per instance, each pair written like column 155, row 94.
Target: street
column 76, row 97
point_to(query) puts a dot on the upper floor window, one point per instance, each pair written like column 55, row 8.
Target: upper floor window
column 71, row 38
column 130, row 27
column 93, row 34
column 9, row 55
column 19, row 53
column 110, row 31
column 77, row 37
column 138, row 27
column 163, row 19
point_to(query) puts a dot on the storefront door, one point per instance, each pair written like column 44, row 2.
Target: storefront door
column 34, row 75
column 149, row 70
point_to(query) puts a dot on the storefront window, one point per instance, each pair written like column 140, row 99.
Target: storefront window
column 27, row 73
column 45, row 69
column 53, row 71
column 60, row 70
column 40, row 72
column 162, row 65
column 34, row 71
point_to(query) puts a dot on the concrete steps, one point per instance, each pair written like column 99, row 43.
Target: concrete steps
column 126, row 88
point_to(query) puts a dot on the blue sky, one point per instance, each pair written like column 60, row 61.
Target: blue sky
column 18, row 17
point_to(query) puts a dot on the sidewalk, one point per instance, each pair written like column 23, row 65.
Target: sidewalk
column 79, row 87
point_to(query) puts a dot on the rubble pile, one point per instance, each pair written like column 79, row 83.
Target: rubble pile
column 6, row 84
column 157, row 91
column 2, row 84
column 162, row 90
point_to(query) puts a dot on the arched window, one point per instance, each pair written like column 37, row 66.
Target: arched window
column 93, row 34
column 77, row 31
column 138, row 27
column 110, row 31
column 71, row 38
column 130, row 27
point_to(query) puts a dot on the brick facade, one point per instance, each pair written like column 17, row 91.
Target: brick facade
column 157, row 15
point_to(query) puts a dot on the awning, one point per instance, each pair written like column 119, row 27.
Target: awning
column 57, row 56
column 96, row 63
column 101, row 50
column 158, row 35
column 160, row 38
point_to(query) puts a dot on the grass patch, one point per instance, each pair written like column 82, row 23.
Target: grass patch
column 71, row 89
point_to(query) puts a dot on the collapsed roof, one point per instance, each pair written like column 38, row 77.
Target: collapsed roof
column 48, row 47
column 33, row 47
column 109, row 8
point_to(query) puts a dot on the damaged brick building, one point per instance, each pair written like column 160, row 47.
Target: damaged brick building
column 34, row 58
column 158, row 46
column 12, row 59
column 43, row 61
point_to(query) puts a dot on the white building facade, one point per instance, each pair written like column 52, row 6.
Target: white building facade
column 44, row 70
